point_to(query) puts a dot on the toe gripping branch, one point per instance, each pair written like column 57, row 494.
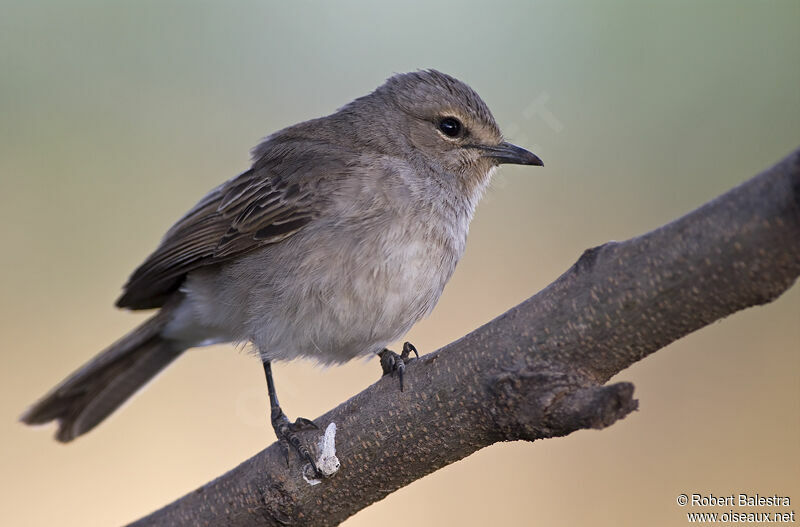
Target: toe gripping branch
column 285, row 430
column 393, row 363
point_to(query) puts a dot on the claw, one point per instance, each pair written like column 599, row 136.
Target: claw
column 301, row 424
column 285, row 448
column 401, row 371
column 285, row 430
column 407, row 349
column 287, row 435
column 393, row 363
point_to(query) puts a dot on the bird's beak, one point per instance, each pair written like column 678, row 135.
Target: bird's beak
column 512, row 154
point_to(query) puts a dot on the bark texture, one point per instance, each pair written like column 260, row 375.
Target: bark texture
column 536, row 371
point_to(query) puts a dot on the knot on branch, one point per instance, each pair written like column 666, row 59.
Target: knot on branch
column 587, row 260
column 275, row 505
column 535, row 404
column 593, row 407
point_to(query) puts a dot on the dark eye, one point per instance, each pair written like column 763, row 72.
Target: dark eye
column 450, row 126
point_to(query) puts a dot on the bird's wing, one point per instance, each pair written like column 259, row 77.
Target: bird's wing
column 256, row 208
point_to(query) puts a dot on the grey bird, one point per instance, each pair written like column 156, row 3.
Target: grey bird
column 338, row 239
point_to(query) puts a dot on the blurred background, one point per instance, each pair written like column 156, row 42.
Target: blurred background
column 118, row 116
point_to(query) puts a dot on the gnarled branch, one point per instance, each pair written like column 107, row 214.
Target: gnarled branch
column 537, row 370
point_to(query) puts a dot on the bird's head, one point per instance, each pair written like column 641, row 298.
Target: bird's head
column 444, row 120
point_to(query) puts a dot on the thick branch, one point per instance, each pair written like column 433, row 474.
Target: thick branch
column 537, row 370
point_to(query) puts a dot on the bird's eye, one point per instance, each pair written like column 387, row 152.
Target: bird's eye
column 450, row 126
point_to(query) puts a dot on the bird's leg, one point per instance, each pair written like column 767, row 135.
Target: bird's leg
column 284, row 429
column 392, row 363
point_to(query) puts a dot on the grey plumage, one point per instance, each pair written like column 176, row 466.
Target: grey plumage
column 101, row 385
column 340, row 237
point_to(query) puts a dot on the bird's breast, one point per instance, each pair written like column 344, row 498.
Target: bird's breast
column 355, row 286
column 407, row 265
column 387, row 279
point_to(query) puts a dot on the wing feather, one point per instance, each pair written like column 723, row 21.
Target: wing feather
column 254, row 209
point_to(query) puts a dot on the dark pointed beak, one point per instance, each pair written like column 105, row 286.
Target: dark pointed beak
column 511, row 154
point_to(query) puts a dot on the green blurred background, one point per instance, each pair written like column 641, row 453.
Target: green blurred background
column 115, row 117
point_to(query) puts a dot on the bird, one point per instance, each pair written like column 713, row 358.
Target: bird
column 339, row 238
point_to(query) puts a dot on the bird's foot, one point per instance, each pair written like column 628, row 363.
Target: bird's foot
column 393, row 363
column 287, row 435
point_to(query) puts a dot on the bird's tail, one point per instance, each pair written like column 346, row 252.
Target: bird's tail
column 99, row 387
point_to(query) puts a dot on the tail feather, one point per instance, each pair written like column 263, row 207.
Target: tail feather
column 93, row 392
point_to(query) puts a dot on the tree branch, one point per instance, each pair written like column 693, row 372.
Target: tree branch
column 537, row 370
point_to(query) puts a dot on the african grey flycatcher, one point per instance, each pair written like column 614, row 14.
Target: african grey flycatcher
column 340, row 237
